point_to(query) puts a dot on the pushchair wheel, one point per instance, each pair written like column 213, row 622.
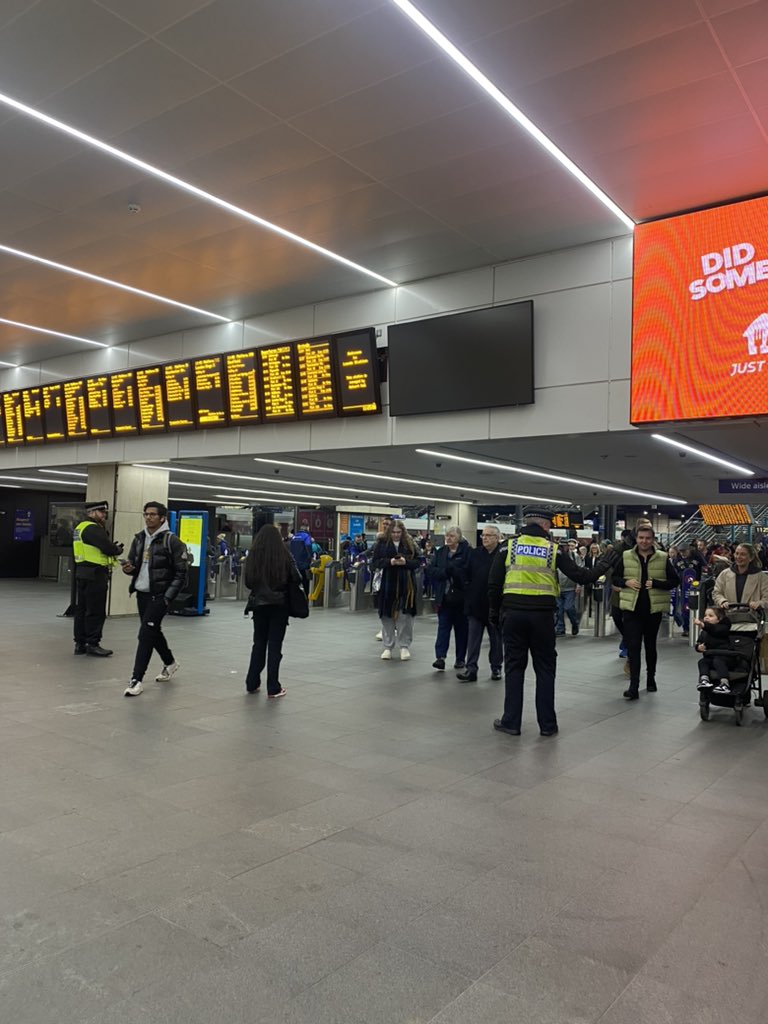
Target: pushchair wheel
column 704, row 710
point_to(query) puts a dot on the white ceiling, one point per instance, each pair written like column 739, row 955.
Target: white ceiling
column 338, row 120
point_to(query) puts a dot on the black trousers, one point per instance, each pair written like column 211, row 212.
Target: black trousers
column 269, row 624
column 152, row 611
column 641, row 630
column 475, row 638
column 523, row 632
column 716, row 663
column 90, row 607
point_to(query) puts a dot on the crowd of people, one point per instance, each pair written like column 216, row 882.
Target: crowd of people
column 520, row 593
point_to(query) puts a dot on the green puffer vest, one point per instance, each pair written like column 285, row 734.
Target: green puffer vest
column 657, row 570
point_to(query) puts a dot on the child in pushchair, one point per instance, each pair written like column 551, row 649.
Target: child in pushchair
column 715, row 629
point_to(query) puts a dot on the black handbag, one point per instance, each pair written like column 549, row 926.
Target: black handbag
column 298, row 604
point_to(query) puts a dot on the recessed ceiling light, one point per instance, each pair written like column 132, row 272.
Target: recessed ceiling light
column 110, row 283
column 596, row 484
column 56, row 334
column 186, row 186
column 704, row 455
column 466, row 65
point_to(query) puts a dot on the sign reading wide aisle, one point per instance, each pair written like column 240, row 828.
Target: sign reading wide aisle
column 700, row 315
column 313, row 379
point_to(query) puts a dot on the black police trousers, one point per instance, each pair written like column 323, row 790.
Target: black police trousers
column 524, row 631
column 90, row 606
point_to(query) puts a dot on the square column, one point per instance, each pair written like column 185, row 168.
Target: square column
column 462, row 515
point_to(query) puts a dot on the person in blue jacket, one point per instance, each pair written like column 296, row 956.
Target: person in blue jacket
column 300, row 546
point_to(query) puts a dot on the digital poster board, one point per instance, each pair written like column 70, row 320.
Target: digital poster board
column 700, row 315
column 317, row 378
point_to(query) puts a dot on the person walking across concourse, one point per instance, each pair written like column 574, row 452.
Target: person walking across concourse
column 478, row 569
column 95, row 553
column 157, row 564
column 522, row 588
column 395, row 557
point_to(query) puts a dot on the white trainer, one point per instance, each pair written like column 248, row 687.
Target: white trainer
column 168, row 671
column 134, row 688
column 405, row 654
column 379, row 636
column 386, row 654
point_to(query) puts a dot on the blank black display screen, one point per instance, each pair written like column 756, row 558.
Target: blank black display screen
column 476, row 360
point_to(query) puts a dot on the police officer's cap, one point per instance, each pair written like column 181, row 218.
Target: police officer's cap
column 97, row 506
column 537, row 512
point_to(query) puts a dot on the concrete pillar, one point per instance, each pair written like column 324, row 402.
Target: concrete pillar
column 126, row 488
column 460, row 514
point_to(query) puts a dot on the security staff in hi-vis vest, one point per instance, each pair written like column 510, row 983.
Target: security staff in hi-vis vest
column 95, row 554
column 522, row 592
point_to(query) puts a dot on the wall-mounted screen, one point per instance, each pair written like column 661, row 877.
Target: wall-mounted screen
column 473, row 360
column 337, row 375
column 700, row 315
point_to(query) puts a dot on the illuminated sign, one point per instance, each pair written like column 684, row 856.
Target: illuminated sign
column 700, row 315
column 178, row 395
column 315, row 378
column 209, row 388
column 277, row 382
column 726, row 515
column 312, row 379
column 567, row 520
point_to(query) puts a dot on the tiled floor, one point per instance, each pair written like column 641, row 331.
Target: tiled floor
column 368, row 849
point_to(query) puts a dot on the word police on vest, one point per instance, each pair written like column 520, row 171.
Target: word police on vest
column 734, row 267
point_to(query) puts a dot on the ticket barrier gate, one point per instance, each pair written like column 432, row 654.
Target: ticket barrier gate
column 332, row 585
column 226, row 584
column 360, row 596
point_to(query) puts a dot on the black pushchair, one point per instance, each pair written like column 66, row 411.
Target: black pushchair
column 743, row 657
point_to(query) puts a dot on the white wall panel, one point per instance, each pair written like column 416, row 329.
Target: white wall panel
column 618, row 407
column 448, row 294
column 433, row 429
column 216, row 338
column 23, row 377
column 348, row 314
column 287, row 325
column 622, row 258
column 365, row 432
column 162, row 349
column 571, row 335
column 574, row 268
column 209, row 442
column 620, row 351
column 572, row 409
column 282, row 437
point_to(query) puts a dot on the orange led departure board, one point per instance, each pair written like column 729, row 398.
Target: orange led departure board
column 243, row 394
column 125, row 405
column 149, row 392
column 315, row 366
column 178, row 395
column 316, row 378
column 726, row 515
column 209, row 388
column 278, row 383
column 99, row 420
column 32, row 409
column 75, row 409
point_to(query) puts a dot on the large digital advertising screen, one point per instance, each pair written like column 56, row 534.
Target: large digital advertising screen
column 700, row 315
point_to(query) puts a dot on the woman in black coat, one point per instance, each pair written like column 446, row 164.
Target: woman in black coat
column 269, row 568
column 395, row 557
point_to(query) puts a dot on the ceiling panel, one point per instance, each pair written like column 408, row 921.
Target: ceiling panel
column 28, row 147
column 742, row 32
column 150, row 16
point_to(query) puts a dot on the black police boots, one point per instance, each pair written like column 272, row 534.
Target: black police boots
column 97, row 651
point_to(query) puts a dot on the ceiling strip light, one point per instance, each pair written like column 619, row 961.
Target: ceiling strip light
column 112, row 284
column 410, row 480
column 56, row 334
column 249, row 500
column 186, row 186
column 466, row 65
column 43, row 480
column 552, row 476
column 64, row 472
column 704, row 455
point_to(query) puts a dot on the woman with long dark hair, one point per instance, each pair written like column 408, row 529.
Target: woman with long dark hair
column 269, row 568
column 395, row 556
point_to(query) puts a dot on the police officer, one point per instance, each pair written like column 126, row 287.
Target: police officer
column 95, row 554
column 523, row 587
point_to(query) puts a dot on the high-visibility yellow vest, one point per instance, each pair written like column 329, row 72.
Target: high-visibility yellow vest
column 87, row 552
column 531, row 567
column 657, row 570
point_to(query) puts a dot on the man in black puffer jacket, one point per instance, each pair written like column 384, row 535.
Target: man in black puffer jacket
column 157, row 563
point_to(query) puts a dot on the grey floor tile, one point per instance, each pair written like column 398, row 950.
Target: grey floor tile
column 483, row 1004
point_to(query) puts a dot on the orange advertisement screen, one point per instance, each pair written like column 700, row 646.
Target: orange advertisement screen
column 700, row 315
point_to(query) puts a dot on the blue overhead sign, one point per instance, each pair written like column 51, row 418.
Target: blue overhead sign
column 758, row 485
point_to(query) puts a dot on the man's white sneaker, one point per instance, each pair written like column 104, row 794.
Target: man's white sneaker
column 379, row 636
column 134, row 688
column 386, row 654
column 405, row 654
column 168, row 671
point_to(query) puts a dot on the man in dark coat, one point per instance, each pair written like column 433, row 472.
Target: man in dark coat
column 476, row 606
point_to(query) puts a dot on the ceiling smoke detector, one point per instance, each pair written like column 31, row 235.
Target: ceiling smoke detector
column 134, row 208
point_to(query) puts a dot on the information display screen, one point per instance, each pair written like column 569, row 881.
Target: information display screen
column 76, row 409
column 54, row 419
column 99, row 419
column 726, row 515
column 357, row 373
column 315, row 365
column 278, row 383
column 316, row 378
column 177, row 378
column 149, row 392
column 210, row 391
column 242, row 391
column 125, row 406
column 14, row 418
column 32, row 409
